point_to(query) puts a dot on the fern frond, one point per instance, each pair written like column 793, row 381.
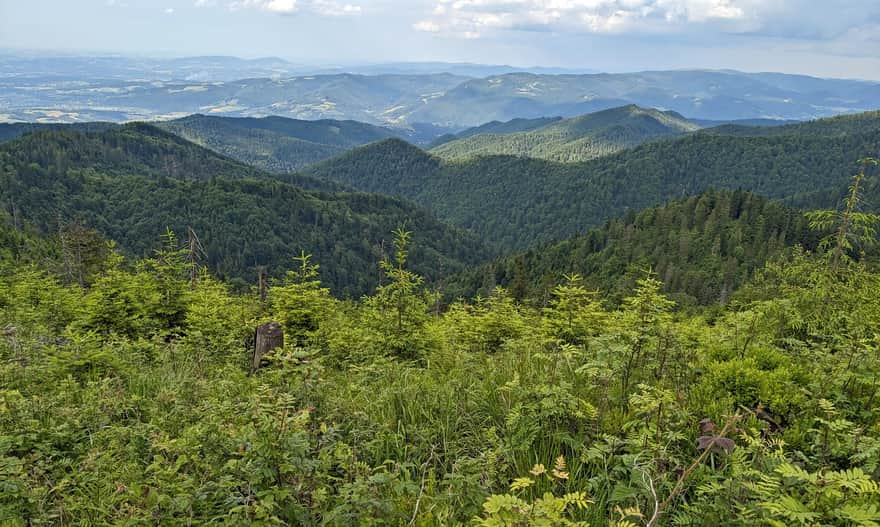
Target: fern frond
column 521, row 483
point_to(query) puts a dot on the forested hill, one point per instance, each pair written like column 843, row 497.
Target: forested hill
column 131, row 149
column 498, row 127
column 274, row 143
column 576, row 139
column 391, row 167
column 702, row 247
column 132, row 183
column 517, row 203
column 10, row 131
column 828, row 127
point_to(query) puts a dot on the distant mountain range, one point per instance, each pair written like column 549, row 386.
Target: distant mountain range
column 576, row 139
column 373, row 99
column 714, row 95
column 426, row 98
column 225, row 68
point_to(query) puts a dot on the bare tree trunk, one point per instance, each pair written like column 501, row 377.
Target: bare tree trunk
column 268, row 337
column 194, row 256
column 261, row 283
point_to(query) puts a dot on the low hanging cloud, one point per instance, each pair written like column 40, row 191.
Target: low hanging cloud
column 289, row 7
column 473, row 18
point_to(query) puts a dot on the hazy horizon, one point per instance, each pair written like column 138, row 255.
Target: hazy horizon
column 331, row 67
column 786, row 36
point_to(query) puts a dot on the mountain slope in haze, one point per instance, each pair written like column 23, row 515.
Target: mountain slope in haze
column 447, row 103
column 376, row 99
column 132, row 183
column 516, row 202
column 276, row 144
column 714, row 95
column 702, row 247
column 758, row 122
column 576, row 139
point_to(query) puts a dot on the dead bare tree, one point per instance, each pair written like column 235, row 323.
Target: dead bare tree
column 195, row 255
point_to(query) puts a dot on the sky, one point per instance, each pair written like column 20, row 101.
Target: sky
column 828, row 38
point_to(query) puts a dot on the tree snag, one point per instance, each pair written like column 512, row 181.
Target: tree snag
column 268, row 337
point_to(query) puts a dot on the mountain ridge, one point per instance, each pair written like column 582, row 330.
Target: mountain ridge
column 577, row 138
column 274, row 143
column 446, row 102
column 515, row 202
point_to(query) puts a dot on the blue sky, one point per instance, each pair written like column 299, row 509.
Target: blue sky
column 839, row 38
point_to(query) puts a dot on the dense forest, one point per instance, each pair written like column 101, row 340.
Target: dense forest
column 128, row 395
column 497, row 127
column 274, row 143
column 133, row 182
column 10, row 131
column 828, row 127
column 570, row 140
column 516, row 203
column 703, row 247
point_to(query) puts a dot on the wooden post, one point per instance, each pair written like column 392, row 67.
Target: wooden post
column 268, row 337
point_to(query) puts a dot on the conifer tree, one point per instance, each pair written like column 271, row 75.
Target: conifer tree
column 400, row 308
column 574, row 313
column 853, row 228
column 300, row 303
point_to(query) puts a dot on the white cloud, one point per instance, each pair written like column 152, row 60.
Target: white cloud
column 289, row 7
column 284, row 7
column 428, row 26
column 333, row 8
column 474, row 17
column 169, row 10
column 790, row 19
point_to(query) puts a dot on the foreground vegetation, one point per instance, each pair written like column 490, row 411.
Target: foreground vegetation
column 128, row 400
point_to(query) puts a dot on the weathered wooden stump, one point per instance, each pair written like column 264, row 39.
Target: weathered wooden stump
column 268, row 337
